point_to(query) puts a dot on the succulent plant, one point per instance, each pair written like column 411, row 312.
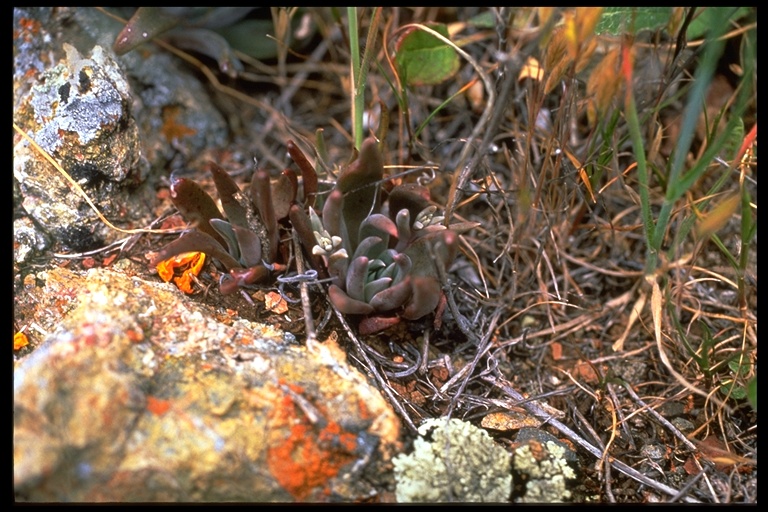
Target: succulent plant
column 382, row 256
column 186, row 27
column 217, row 32
column 246, row 243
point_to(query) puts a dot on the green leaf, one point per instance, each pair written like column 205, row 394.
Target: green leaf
column 423, row 59
column 752, row 392
column 710, row 16
column 736, row 392
column 486, row 19
column 618, row 20
column 250, row 37
column 737, row 367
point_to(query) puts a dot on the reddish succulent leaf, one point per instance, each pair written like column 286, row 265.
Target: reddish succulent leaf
column 229, row 192
column 374, row 324
column 393, row 297
column 195, row 241
column 239, row 277
column 358, row 182
column 195, row 205
column 426, row 295
column 302, row 225
column 284, row 191
column 250, row 246
column 308, row 174
column 356, row 277
column 261, row 194
column 410, row 196
column 146, row 24
column 347, row 305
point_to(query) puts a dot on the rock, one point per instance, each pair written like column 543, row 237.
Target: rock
column 139, row 394
column 109, row 122
column 78, row 112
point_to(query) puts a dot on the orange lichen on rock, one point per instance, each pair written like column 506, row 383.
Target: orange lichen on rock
column 172, row 129
column 311, row 454
column 157, row 406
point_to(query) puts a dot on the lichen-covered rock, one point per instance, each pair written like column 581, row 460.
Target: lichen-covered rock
column 139, row 394
column 27, row 239
column 108, row 121
column 78, row 112
column 453, row 460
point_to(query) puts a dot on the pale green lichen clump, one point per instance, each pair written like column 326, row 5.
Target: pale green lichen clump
column 457, row 462
column 547, row 477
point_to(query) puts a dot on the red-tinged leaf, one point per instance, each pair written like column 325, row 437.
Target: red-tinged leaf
column 425, row 297
column 308, row 173
column 195, row 241
column 347, row 305
column 229, row 193
column 374, row 324
column 195, row 205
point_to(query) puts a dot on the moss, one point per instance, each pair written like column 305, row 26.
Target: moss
column 547, row 470
column 453, row 460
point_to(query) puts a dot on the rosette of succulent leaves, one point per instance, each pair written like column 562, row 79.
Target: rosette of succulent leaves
column 383, row 254
column 245, row 242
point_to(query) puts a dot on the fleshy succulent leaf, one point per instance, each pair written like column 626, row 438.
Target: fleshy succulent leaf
column 357, row 273
column 261, row 193
column 239, row 277
column 225, row 229
column 374, row 324
column 302, row 226
column 393, row 297
column 373, row 287
column 308, row 173
column 231, row 197
column 249, row 245
column 195, row 205
column 403, row 222
column 358, row 182
column 371, row 245
column 347, row 305
column 411, row 196
column 377, row 224
column 284, row 191
column 208, row 43
column 196, row 241
column 424, row 299
column 145, row 24
column 332, row 213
